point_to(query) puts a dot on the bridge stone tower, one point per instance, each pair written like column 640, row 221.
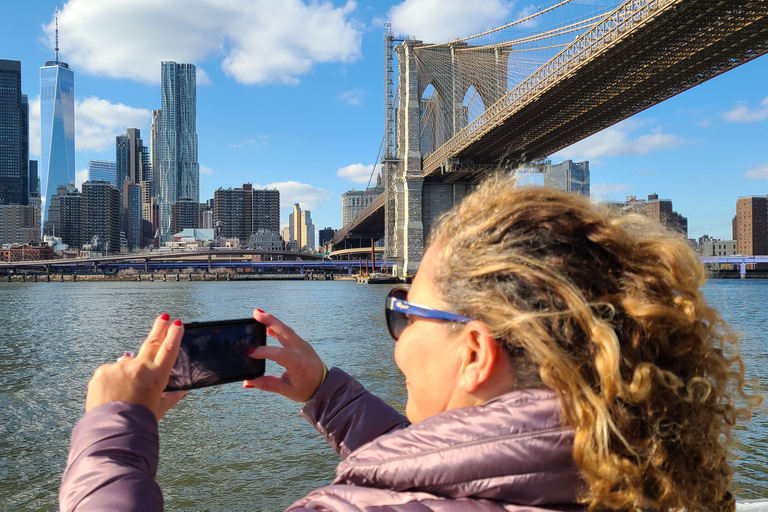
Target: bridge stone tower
column 413, row 205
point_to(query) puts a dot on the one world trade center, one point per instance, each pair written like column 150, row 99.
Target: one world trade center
column 57, row 127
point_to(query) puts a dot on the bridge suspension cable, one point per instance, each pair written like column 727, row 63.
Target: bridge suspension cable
column 504, row 27
column 489, row 71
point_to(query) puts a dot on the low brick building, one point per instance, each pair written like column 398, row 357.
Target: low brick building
column 27, row 252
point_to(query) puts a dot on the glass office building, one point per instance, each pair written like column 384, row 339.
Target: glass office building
column 57, row 128
column 14, row 136
column 103, row 170
column 179, row 168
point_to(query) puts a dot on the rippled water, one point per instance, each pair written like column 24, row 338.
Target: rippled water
column 225, row 448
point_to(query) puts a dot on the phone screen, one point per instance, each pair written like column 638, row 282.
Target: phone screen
column 216, row 353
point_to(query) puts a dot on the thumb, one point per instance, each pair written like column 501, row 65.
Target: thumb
column 169, row 399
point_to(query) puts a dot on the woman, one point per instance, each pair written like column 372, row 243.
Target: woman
column 557, row 356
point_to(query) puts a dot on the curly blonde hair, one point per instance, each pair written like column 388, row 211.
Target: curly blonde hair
column 608, row 308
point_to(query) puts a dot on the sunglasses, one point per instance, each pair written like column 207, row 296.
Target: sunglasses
column 397, row 311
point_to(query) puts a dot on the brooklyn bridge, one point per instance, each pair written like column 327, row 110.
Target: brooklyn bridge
column 510, row 96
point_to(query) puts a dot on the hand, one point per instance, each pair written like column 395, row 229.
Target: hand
column 303, row 368
column 141, row 379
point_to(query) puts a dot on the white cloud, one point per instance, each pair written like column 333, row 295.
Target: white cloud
column 616, row 141
column 747, row 115
column 201, row 77
column 260, row 41
column 443, row 20
column 353, row 97
column 204, row 169
column 608, row 192
column 359, row 173
column 97, row 122
column 291, row 192
column 80, row 177
column 758, row 173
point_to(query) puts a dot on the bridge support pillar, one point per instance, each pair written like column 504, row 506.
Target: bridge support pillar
column 412, row 224
column 209, row 262
column 743, row 269
column 439, row 198
column 408, row 239
column 146, row 264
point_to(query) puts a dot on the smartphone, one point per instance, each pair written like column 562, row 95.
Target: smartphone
column 216, row 353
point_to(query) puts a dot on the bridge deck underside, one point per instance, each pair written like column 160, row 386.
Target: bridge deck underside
column 678, row 49
column 366, row 225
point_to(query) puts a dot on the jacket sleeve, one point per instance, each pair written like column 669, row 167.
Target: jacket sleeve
column 112, row 461
column 348, row 415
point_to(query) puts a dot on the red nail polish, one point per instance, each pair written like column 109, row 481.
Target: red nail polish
column 259, row 310
column 251, row 350
column 177, row 322
column 165, row 316
column 248, row 386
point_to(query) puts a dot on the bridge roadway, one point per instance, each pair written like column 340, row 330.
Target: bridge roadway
column 641, row 54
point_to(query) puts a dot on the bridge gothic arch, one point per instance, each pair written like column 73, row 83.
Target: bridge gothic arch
column 433, row 82
column 473, row 105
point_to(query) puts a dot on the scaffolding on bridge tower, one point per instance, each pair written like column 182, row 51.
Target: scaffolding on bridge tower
column 390, row 161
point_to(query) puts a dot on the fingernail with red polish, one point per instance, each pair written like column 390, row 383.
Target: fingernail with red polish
column 165, row 316
column 177, row 322
column 248, row 386
column 251, row 350
column 259, row 310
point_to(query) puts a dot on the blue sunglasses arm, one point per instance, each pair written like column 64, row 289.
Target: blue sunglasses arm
column 408, row 308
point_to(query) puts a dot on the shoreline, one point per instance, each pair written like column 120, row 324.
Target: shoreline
column 148, row 277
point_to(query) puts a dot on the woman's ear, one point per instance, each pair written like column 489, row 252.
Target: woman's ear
column 485, row 368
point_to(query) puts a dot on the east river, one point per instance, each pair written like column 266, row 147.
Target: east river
column 225, row 448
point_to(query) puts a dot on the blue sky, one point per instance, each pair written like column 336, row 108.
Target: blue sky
column 290, row 95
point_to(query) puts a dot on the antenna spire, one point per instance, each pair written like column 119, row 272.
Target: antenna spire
column 56, row 58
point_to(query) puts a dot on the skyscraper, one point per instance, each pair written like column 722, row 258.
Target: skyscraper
column 14, row 136
column 122, row 159
column 71, row 218
column 52, row 226
column 102, row 170
column 179, row 169
column 568, row 176
column 325, row 235
column 185, row 214
column 751, row 225
column 132, row 158
column 131, row 217
column 154, row 151
column 244, row 211
column 301, row 228
column 101, row 214
column 57, row 126
column 34, row 194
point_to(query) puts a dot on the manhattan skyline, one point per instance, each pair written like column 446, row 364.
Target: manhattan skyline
column 299, row 107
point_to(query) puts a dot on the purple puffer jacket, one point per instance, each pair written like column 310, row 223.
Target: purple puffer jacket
column 511, row 453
